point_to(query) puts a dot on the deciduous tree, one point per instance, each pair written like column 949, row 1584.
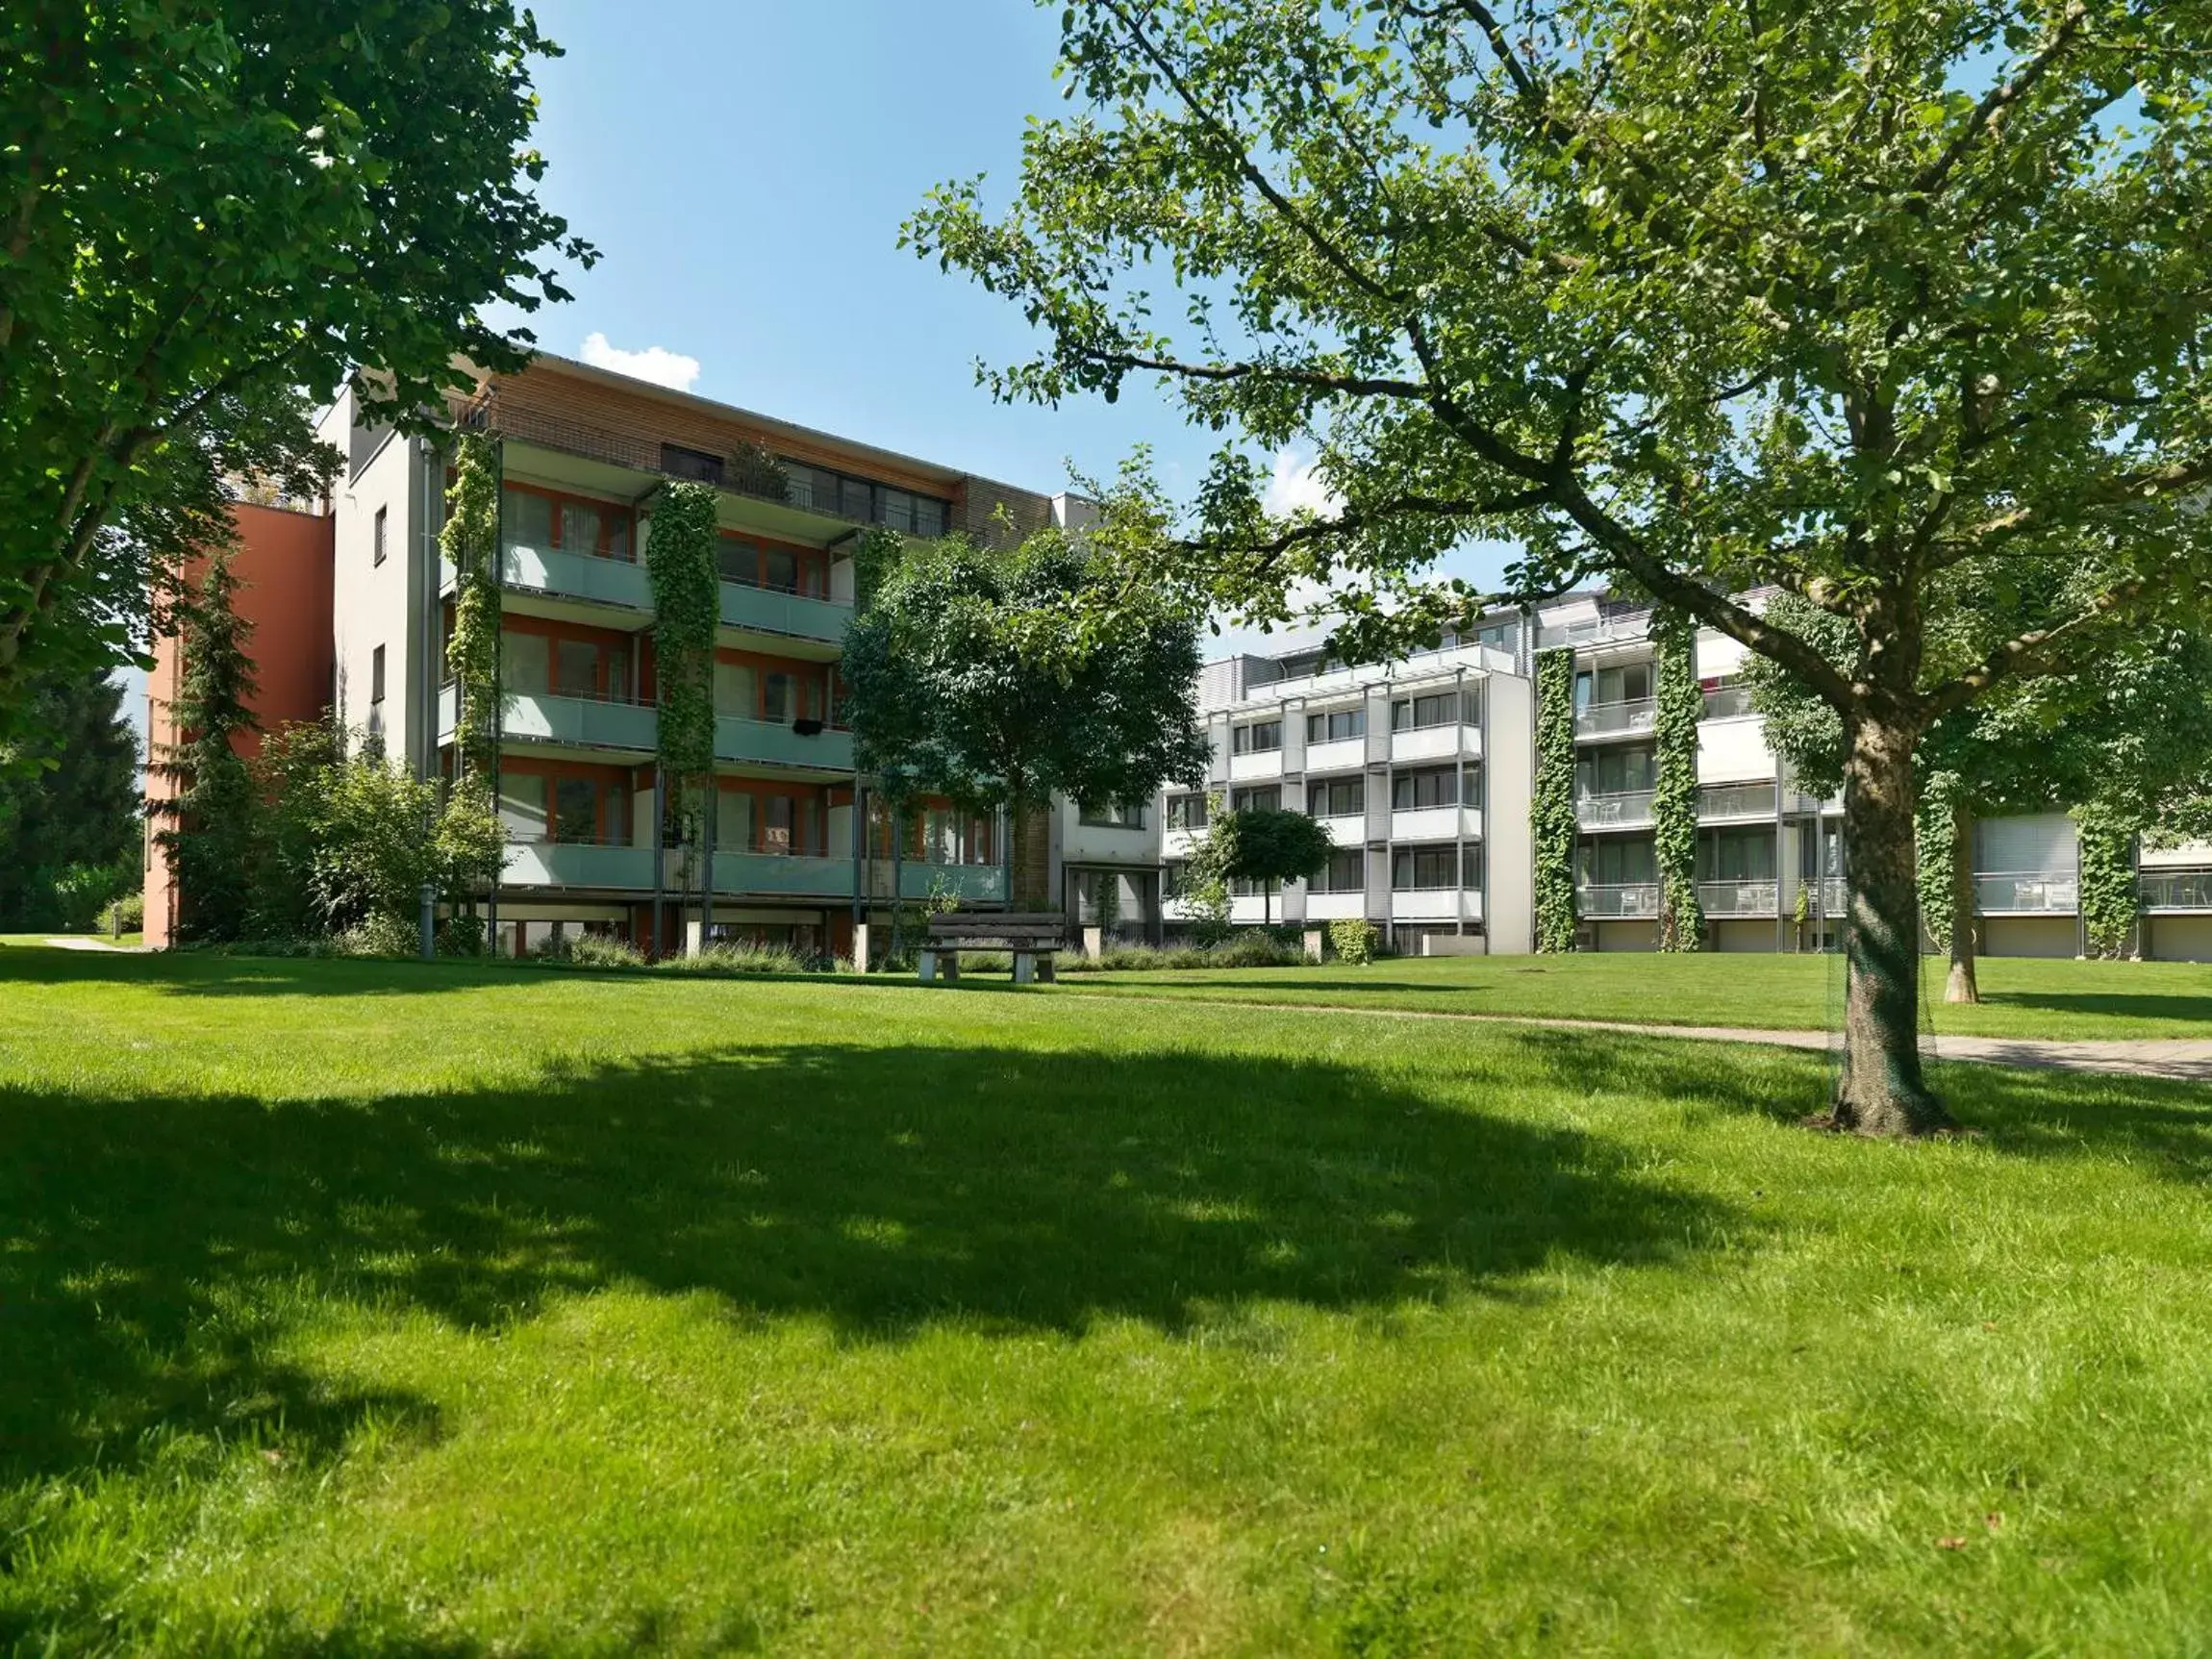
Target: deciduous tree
column 1270, row 845
column 1004, row 679
column 212, row 212
column 1881, row 304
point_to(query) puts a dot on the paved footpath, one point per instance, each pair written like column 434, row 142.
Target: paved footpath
column 2185, row 1059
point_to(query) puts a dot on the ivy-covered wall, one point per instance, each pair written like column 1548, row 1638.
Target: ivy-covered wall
column 686, row 605
column 1551, row 814
column 470, row 540
column 1680, row 706
column 2110, row 902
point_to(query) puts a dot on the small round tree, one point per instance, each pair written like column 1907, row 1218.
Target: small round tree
column 1272, row 847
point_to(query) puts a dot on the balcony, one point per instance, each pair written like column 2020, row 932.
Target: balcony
column 1345, row 829
column 969, row 882
column 1638, row 901
column 1722, row 803
column 2027, row 892
column 1722, row 900
column 783, row 875
column 1441, row 742
column 576, row 576
column 578, row 722
column 1635, row 717
column 1728, row 703
column 578, row 865
column 1433, row 904
column 769, row 743
column 771, row 611
column 1436, row 823
column 2175, row 889
column 1626, row 809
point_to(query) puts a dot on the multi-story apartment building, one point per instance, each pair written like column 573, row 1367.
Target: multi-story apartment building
column 1400, row 773
column 1421, row 772
column 802, row 850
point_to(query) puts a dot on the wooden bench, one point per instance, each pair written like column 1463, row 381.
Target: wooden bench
column 1031, row 939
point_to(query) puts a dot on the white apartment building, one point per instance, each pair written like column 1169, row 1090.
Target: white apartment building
column 1424, row 773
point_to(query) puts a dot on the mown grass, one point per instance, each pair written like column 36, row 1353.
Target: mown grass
column 388, row 1308
column 2022, row 996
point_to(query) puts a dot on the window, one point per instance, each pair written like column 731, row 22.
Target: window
column 378, row 549
column 1615, row 771
column 523, row 805
column 1630, row 683
column 1424, row 869
column 1736, row 855
column 819, row 489
column 525, row 664
column 779, row 698
column 1615, row 861
column 576, row 669
column 1431, row 787
column 1268, row 799
column 735, row 691
column 1337, row 797
column 677, row 462
column 1337, row 725
column 1121, row 815
column 575, row 809
column 376, row 675
column 534, row 522
column 1186, row 812
column 734, row 820
column 1346, row 872
column 1258, row 739
column 1435, row 709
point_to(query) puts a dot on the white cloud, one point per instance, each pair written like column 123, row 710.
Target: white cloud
column 1294, row 486
column 656, row 362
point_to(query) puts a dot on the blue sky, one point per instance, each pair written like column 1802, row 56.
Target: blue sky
column 743, row 168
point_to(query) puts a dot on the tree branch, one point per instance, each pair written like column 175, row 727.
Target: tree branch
column 1989, row 115
column 2034, row 647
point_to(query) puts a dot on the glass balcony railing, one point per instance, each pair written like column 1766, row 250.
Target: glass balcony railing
column 1722, row 899
column 1615, row 719
column 1615, row 810
column 2175, row 889
column 969, row 882
column 2013, row 893
column 767, row 742
column 1722, row 801
column 579, row 722
column 1632, row 901
column 1726, row 702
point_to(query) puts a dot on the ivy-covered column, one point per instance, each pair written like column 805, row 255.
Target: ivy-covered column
column 1680, row 706
column 1551, row 811
column 2111, row 905
column 470, row 540
column 687, row 606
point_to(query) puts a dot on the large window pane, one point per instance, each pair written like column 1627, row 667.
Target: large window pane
column 780, row 569
column 776, row 698
column 777, row 823
column 575, row 810
column 576, row 669
column 739, row 560
column 529, row 521
column 525, row 664
column 523, row 805
column 734, row 692
column 734, row 820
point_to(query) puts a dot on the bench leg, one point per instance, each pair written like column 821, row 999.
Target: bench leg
column 928, row 961
column 1046, row 972
column 951, row 967
column 1024, row 968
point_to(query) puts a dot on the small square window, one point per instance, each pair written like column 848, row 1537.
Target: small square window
column 380, row 547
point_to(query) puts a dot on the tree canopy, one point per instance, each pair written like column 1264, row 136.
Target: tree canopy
column 1885, row 305
column 71, row 827
column 212, row 215
column 1002, row 679
column 1271, row 845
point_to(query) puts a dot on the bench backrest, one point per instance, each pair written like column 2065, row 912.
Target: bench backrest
column 1045, row 930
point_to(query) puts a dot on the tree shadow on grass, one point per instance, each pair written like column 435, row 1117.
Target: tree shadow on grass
column 2180, row 1010
column 155, row 1251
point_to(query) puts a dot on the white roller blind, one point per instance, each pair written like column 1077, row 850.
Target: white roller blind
column 2043, row 841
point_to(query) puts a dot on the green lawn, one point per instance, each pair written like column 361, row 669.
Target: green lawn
column 2023, row 997
column 381, row 1309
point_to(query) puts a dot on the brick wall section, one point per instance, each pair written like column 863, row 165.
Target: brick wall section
column 283, row 564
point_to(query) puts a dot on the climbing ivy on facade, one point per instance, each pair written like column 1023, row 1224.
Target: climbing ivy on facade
column 687, row 606
column 1552, row 815
column 2111, row 904
column 1679, row 706
column 470, row 540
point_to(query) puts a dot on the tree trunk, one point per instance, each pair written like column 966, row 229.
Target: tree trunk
column 1882, row 1092
column 1268, row 904
column 1030, row 872
column 1961, row 986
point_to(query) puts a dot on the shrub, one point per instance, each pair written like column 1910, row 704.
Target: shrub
column 1249, row 947
column 589, row 950
column 125, row 914
column 379, row 933
column 718, row 959
column 1353, row 941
